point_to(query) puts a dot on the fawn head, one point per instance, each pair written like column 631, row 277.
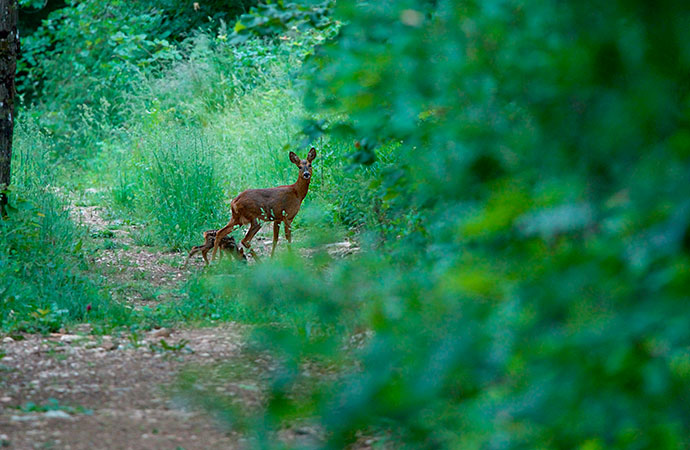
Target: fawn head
column 304, row 164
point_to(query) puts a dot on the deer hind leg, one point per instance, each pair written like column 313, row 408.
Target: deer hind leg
column 253, row 229
column 222, row 233
column 276, row 232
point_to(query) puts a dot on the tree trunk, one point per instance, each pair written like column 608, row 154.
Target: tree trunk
column 9, row 49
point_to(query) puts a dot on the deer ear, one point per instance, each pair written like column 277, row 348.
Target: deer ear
column 294, row 158
column 311, row 155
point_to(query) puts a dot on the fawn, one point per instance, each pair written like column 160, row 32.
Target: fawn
column 227, row 243
column 278, row 204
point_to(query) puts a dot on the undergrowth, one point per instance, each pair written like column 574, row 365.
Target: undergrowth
column 44, row 280
column 220, row 119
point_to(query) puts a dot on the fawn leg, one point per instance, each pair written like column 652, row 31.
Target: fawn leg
column 276, row 232
column 253, row 229
column 204, row 252
column 193, row 252
column 222, row 233
column 237, row 253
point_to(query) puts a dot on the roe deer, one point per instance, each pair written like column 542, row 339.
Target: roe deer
column 227, row 243
column 278, row 204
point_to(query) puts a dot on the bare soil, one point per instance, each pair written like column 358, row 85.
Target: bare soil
column 108, row 393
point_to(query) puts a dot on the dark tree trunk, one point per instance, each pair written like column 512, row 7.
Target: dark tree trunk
column 9, row 49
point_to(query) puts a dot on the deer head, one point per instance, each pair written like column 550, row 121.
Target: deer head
column 304, row 164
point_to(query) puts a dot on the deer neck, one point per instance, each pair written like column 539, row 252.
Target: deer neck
column 302, row 186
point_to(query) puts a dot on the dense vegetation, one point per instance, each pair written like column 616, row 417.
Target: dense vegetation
column 513, row 172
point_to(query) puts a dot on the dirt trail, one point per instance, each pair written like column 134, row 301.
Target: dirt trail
column 107, row 393
column 72, row 390
column 142, row 274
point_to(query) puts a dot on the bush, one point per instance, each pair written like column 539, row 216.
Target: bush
column 84, row 60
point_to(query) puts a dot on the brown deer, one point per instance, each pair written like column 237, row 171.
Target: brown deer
column 227, row 244
column 278, row 204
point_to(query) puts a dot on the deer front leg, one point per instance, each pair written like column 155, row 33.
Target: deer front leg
column 276, row 232
column 222, row 233
column 288, row 230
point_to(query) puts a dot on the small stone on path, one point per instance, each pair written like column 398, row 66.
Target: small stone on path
column 162, row 332
column 69, row 338
column 57, row 414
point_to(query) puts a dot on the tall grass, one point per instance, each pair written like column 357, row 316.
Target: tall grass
column 43, row 283
column 213, row 126
column 177, row 188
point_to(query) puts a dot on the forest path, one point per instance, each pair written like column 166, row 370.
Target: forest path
column 79, row 391
column 139, row 274
column 75, row 390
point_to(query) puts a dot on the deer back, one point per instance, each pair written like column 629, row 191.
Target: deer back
column 227, row 242
column 267, row 204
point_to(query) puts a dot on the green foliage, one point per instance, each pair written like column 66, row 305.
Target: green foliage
column 209, row 79
column 84, row 60
column 183, row 18
column 163, row 346
column 53, row 404
column 275, row 18
column 518, row 184
column 534, row 298
column 33, row 4
column 43, row 284
column 177, row 189
column 77, row 60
